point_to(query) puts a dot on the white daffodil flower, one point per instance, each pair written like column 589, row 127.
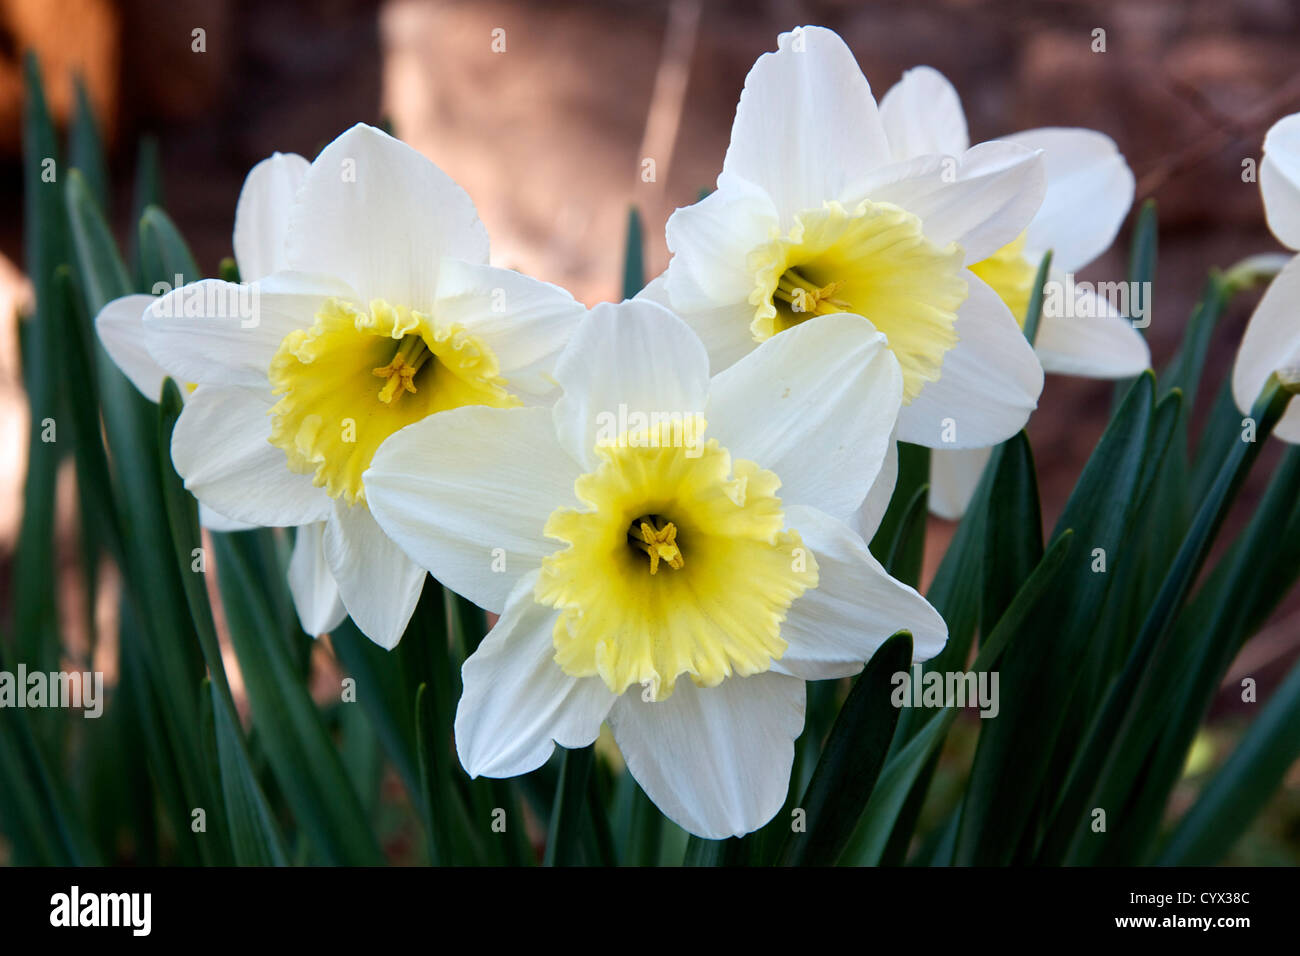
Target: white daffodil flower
column 1089, row 192
column 261, row 221
column 646, row 571
column 261, row 231
column 387, row 313
column 1272, row 340
column 814, row 214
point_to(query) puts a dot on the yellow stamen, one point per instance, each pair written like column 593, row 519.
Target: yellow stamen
column 658, row 542
column 807, row 297
column 400, row 372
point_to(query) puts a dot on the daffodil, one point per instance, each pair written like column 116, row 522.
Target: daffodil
column 815, row 214
column 668, row 553
column 261, row 229
column 1089, row 192
column 386, row 313
column 1271, row 344
column 261, row 219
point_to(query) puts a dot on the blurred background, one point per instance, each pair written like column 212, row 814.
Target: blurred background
column 546, row 111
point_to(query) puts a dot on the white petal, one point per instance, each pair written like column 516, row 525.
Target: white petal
column 868, row 517
column 807, row 128
column 816, row 405
column 981, row 200
column 379, row 585
column 120, row 326
column 716, row 761
column 723, row 329
column 1272, row 341
column 635, row 357
column 380, row 216
column 1279, row 180
column 954, row 475
column 711, row 242
column 834, row 628
column 1089, row 192
column 223, row 333
column 1081, row 333
column 467, row 492
column 525, row 322
column 262, row 214
column 315, row 595
column 989, row 383
column 922, row 114
column 214, row 521
column 518, row 703
column 220, row 447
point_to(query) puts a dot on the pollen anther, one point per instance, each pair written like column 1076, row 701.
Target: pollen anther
column 409, row 358
column 658, row 541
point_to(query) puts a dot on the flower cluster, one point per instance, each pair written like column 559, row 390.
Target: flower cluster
column 860, row 277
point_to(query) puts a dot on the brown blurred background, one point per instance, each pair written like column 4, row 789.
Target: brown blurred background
column 544, row 111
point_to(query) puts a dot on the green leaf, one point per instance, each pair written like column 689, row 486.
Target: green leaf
column 1013, row 542
column 35, row 620
column 163, row 252
column 97, row 512
column 1112, row 757
column 1184, row 370
column 39, row 817
column 255, row 838
column 1142, row 255
column 86, row 146
column 254, row 835
column 851, row 759
column 907, row 553
column 569, row 812
column 1238, row 597
column 1223, row 429
column 168, row 646
column 898, row 778
column 1150, row 549
column 904, row 767
column 303, row 758
column 1013, row 761
column 382, row 693
column 103, row 277
column 1034, row 311
column 638, row 824
column 955, row 593
column 1241, row 788
column 147, row 192
column 913, row 472
column 1141, row 276
column 633, row 255
column 446, row 823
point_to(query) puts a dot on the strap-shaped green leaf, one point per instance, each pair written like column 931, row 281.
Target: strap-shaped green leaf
column 851, row 760
column 303, row 758
column 254, row 835
column 1231, row 800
